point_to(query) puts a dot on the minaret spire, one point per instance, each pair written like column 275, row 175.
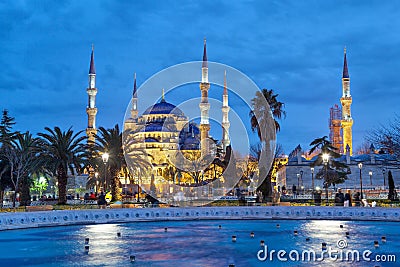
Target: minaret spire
column 91, row 109
column 205, row 64
column 204, row 105
column 346, row 100
column 225, row 118
column 92, row 69
column 345, row 69
column 134, row 109
column 134, row 86
column 225, row 84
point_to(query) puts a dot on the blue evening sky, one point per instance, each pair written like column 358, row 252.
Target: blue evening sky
column 293, row 47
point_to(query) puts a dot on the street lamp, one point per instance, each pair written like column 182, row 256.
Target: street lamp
column 361, row 189
column 138, row 181
column 312, row 179
column 298, row 181
column 370, row 177
column 96, row 175
column 301, row 177
column 325, row 159
column 105, row 157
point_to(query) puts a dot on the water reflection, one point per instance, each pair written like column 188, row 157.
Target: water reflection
column 188, row 243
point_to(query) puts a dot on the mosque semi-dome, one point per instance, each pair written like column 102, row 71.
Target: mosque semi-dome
column 190, row 138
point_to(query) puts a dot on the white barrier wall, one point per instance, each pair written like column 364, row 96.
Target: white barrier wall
column 18, row 220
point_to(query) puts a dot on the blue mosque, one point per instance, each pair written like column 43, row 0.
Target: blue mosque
column 163, row 131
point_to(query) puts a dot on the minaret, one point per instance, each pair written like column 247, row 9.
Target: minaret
column 346, row 100
column 204, row 105
column 225, row 118
column 134, row 109
column 91, row 109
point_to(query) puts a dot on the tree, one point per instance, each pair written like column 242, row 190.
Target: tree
column 215, row 169
column 6, row 124
column 136, row 156
column 110, row 141
column 5, row 179
column 335, row 172
column 266, row 186
column 29, row 148
column 260, row 120
column 387, row 137
column 39, row 185
column 392, row 189
column 6, row 136
column 193, row 164
column 258, row 104
column 137, row 159
column 22, row 159
column 230, row 167
column 62, row 151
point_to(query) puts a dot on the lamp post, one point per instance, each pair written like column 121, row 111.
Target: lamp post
column 126, row 186
column 298, row 181
column 361, row 189
column 384, row 178
column 312, row 179
column 301, row 178
column 325, row 159
column 96, row 175
column 370, row 177
column 105, row 157
column 138, row 181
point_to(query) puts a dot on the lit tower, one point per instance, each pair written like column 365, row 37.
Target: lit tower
column 204, row 105
column 346, row 100
column 91, row 109
column 225, row 118
column 134, row 109
column 335, row 127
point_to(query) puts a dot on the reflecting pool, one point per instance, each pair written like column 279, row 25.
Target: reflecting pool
column 200, row 243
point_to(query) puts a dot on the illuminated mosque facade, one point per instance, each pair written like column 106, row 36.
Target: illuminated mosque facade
column 163, row 129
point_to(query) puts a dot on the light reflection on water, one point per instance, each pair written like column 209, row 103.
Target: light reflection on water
column 190, row 243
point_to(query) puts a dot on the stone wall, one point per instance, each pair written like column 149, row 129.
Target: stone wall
column 18, row 220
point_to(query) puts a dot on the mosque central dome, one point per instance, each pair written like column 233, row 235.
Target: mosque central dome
column 163, row 107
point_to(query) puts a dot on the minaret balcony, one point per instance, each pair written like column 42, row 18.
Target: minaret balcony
column 91, row 91
column 91, row 111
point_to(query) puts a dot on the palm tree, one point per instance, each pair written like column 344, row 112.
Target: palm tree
column 62, row 151
column 260, row 109
column 137, row 159
column 260, row 121
column 124, row 156
column 28, row 148
column 110, row 141
column 21, row 157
